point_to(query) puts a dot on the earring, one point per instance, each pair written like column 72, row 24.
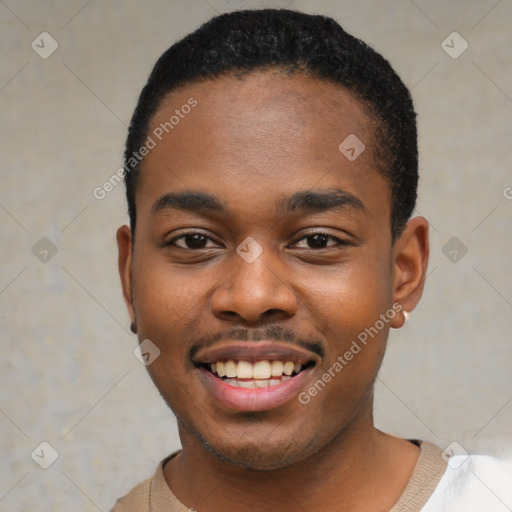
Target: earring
column 406, row 315
column 133, row 327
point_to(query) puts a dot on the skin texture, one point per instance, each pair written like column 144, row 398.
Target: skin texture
column 250, row 142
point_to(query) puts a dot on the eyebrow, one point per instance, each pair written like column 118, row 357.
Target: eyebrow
column 306, row 201
column 189, row 200
column 318, row 201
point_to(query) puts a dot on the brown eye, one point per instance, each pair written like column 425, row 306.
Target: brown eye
column 190, row 241
column 319, row 241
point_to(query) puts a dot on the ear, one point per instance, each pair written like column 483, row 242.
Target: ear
column 124, row 262
column 410, row 260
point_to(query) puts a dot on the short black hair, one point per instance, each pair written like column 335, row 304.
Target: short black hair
column 294, row 42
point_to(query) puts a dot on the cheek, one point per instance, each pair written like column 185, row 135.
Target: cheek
column 347, row 307
column 164, row 298
column 349, row 298
column 167, row 306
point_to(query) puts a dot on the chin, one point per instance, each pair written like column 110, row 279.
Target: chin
column 256, row 448
column 258, row 458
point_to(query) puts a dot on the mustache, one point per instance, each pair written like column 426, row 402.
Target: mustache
column 271, row 332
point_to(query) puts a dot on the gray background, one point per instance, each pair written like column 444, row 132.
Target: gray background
column 68, row 374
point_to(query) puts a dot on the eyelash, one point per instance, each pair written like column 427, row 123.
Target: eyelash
column 339, row 241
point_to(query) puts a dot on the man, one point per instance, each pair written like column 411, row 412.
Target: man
column 271, row 173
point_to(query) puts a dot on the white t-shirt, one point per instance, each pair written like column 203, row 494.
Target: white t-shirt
column 473, row 483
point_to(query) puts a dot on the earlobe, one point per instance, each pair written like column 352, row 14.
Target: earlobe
column 410, row 260
column 124, row 246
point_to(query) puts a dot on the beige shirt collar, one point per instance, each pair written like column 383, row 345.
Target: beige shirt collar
column 154, row 495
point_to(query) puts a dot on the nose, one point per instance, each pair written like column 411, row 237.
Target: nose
column 254, row 292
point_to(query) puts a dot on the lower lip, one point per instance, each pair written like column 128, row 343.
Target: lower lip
column 260, row 399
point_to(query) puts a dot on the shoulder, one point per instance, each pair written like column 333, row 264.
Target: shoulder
column 152, row 494
column 137, row 500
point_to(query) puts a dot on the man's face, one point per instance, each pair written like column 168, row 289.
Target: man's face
column 288, row 259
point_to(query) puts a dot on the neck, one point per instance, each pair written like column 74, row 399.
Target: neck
column 361, row 469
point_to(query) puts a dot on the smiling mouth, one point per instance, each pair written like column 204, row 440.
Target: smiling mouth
column 257, row 374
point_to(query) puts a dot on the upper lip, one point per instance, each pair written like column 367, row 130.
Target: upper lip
column 254, row 351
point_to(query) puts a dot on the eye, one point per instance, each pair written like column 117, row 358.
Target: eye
column 191, row 241
column 319, row 241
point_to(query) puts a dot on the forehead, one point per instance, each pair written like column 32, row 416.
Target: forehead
column 266, row 104
column 265, row 134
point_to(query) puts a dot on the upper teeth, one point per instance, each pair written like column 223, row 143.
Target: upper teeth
column 257, row 370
